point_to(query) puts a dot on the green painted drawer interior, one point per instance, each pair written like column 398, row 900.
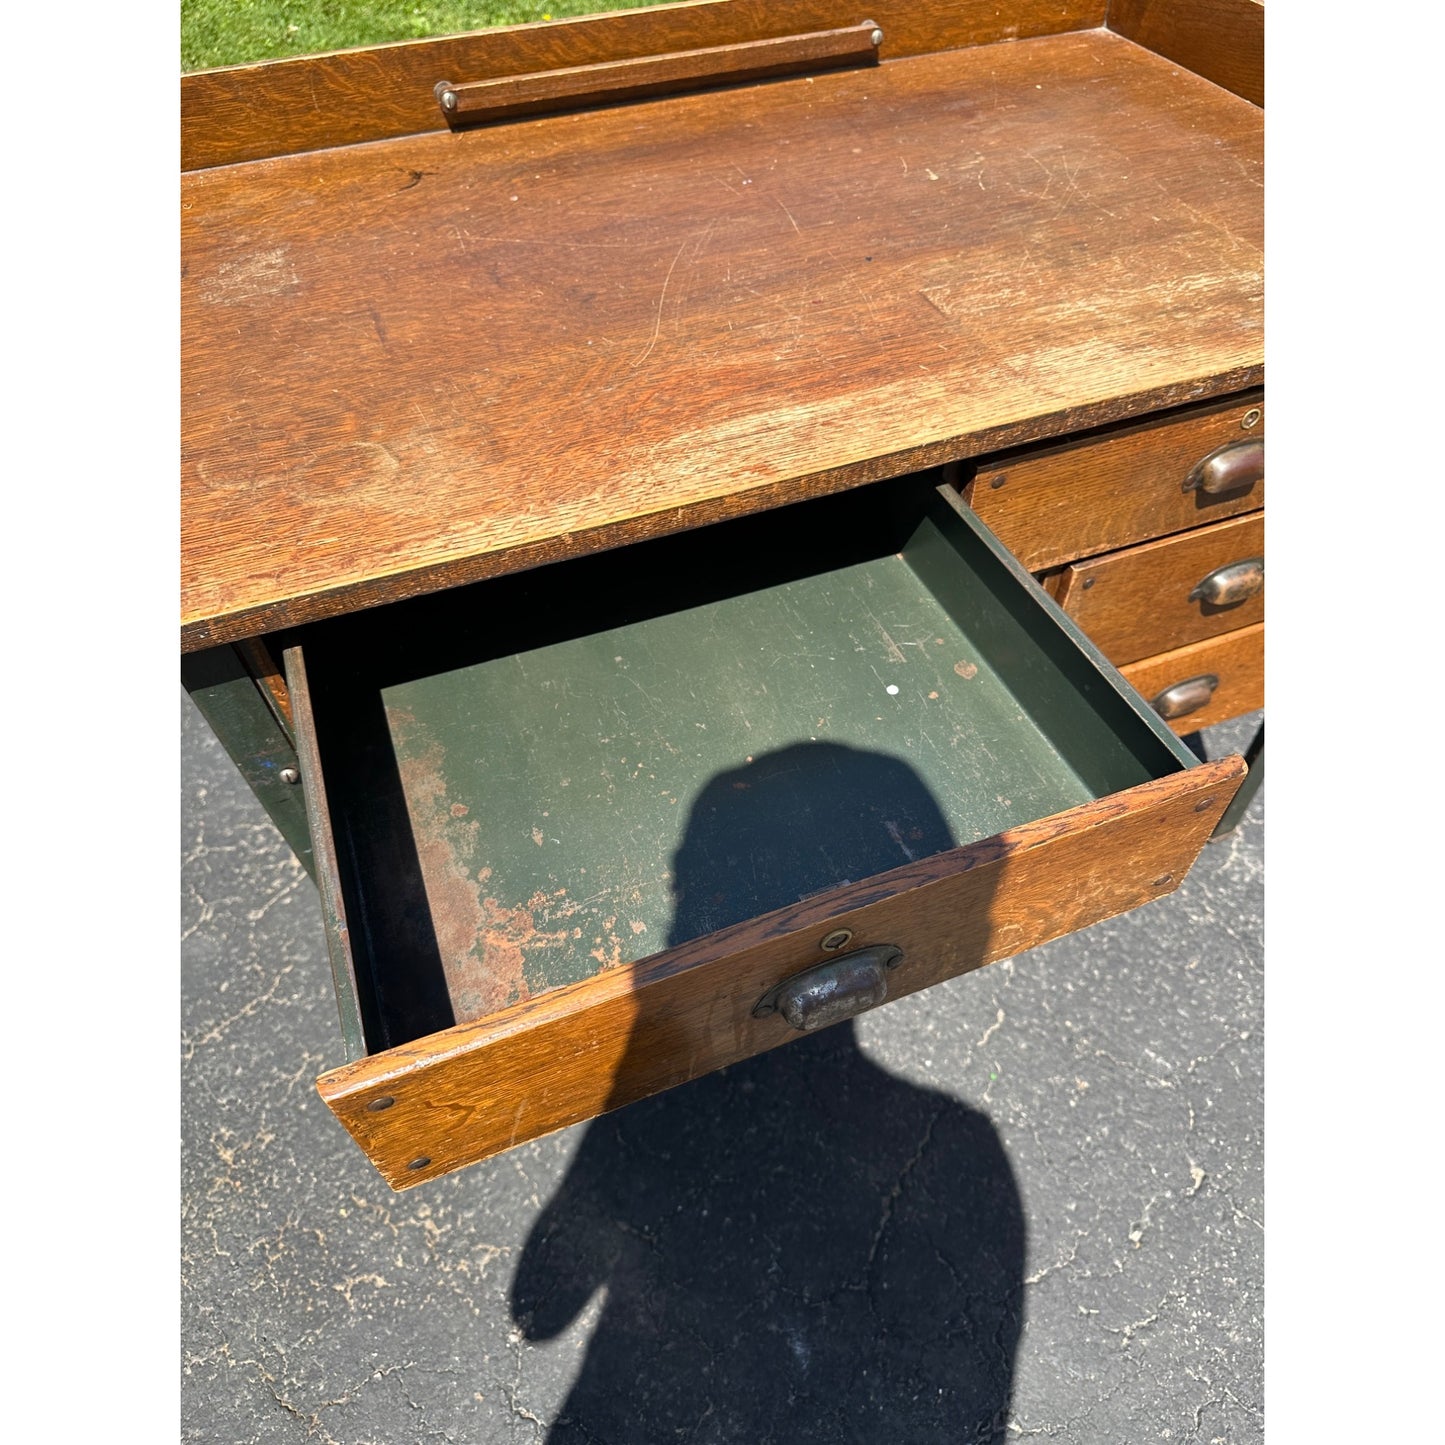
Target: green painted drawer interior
column 539, row 777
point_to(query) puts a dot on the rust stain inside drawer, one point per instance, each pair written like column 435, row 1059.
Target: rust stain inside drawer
column 549, row 776
column 589, row 802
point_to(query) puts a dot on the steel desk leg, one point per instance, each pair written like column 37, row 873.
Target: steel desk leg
column 1254, row 760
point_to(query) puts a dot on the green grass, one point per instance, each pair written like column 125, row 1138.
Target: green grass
column 229, row 32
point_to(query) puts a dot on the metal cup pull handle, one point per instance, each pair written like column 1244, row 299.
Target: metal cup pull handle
column 1185, row 697
column 1226, row 586
column 1234, row 467
column 833, row 991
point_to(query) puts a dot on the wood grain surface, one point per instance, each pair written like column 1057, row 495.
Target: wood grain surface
column 1222, row 40
column 418, row 363
column 474, row 1090
column 279, row 107
column 1136, row 602
column 1119, row 486
column 1236, row 658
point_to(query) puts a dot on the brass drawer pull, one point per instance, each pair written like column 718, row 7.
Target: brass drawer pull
column 1185, row 697
column 1235, row 467
column 1236, row 582
column 831, row 992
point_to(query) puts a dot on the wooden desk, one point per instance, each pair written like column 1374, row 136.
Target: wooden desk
column 417, row 359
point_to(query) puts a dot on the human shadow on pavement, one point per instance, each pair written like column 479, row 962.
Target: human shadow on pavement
column 802, row 1247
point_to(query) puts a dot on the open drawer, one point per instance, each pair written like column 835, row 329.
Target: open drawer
column 576, row 826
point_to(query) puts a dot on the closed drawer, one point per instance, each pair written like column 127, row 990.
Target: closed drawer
column 575, row 827
column 1210, row 681
column 1166, row 594
column 1121, row 485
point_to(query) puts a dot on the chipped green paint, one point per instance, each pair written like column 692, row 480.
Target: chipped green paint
column 543, row 777
column 587, row 803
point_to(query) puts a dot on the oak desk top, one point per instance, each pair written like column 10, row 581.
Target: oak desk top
column 416, row 362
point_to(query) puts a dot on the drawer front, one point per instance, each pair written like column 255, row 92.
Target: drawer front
column 1120, row 486
column 1236, row 660
column 477, row 1089
column 1163, row 595
column 564, row 865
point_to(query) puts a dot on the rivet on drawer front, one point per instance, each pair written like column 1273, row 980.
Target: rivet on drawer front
column 290, row 775
column 998, row 481
column 837, row 939
column 1162, row 879
column 1251, row 418
column 419, row 1163
column 1202, row 804
column 377, row 1105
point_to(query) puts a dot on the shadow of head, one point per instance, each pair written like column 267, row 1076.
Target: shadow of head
column 795, row 822
column 803, row 1246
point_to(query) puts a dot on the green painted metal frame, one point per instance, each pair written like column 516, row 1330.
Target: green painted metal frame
column 1234, row 814
column 333, row 909
column 242, row 719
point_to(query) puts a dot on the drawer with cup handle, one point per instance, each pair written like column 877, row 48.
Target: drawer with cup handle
column 1166, row 594
column 1206, row 682
column 776, row 771
column 1115, row 486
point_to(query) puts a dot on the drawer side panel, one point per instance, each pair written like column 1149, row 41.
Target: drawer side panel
column 328, row 879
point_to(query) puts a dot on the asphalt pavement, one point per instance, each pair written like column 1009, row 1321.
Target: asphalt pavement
column 1027, row 1202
